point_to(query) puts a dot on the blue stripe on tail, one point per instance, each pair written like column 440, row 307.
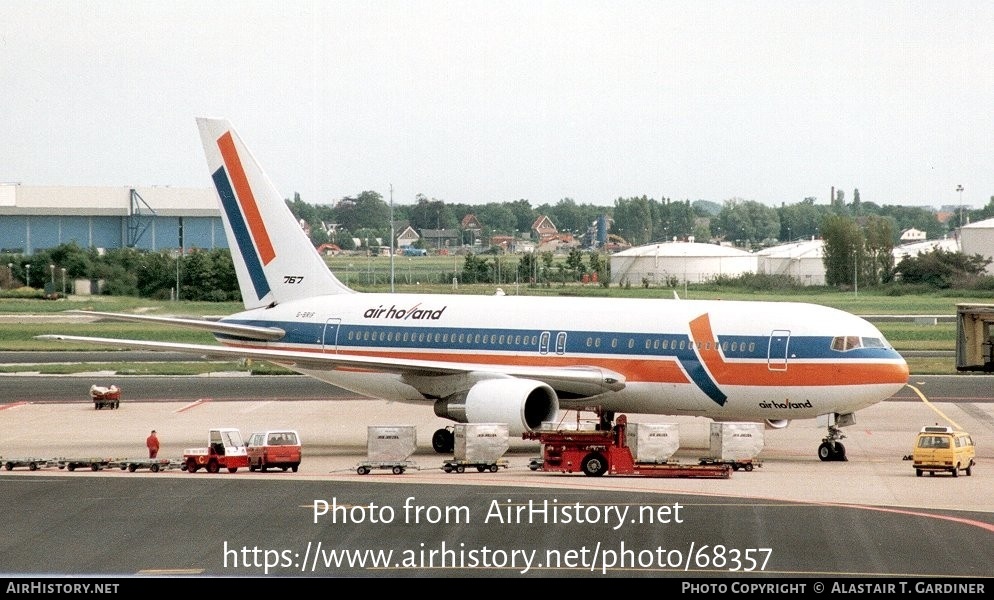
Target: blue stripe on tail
column 245, row 245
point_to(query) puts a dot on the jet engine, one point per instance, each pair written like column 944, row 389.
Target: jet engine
column 523, row 404
column 777, row 423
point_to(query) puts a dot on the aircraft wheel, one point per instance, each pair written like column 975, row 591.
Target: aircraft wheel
column 443, row 441
column 825, row 451
column 594, row 464
column 840, row 452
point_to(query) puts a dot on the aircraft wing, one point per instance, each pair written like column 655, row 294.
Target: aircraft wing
column 244, row 331
column 577, row 381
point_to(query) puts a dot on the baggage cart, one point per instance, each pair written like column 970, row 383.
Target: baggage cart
column 152, row 464
column 93, row 463
column 105, row 397
column 478, row 446
column 33, row 464
column 396, row 467
column 388, row 447
column 460, row 466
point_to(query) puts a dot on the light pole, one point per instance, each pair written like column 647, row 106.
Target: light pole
column 10, row 271
column 855, row 270
column 959, row 188
column 27, row 274
column 63, row 281
column 51, row 268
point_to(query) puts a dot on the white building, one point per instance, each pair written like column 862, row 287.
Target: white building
column 678, row 262
column 911, row 250
column 978, row 238
column 803, row 260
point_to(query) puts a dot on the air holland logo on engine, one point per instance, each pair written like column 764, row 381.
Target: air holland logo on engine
column 403, row 314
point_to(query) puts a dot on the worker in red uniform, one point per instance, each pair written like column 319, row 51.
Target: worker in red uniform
column 153, row 444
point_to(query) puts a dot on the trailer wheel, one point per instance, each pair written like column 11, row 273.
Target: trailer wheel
column 918, row 472
column 362, row 470
column 132, row 468
column 213, row 467
column 447, row 468
column 460, row 469
column 71, row 467
column 263, row 468
column 252, row 467
column 232, row 469
column 94, row 466
column 295, row 467
column 594, row 464
column 493, row 468
column 33, row 466
column 397, row 470
column 9, row 466
column 748, row 467
column 481, row 468
column 154, row 468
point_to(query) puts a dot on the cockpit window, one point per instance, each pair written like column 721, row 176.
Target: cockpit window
column 844, row 343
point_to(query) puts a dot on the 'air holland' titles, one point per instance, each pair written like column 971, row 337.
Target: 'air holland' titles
column 404, row 314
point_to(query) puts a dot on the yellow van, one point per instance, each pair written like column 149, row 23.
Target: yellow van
column 942, row 449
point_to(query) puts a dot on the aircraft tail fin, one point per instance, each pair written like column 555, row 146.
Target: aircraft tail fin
column 274, row 259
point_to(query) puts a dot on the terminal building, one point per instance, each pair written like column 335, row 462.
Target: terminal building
column 34, row 218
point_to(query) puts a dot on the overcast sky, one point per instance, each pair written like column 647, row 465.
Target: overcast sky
column 495, row 101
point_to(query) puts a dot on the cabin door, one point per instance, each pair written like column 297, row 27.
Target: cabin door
column 776, row 357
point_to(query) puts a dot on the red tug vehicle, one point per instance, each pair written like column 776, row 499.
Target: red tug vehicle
column 605, row 451
column 225, row 450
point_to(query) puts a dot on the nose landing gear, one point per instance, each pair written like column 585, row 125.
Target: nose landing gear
column 831, row 448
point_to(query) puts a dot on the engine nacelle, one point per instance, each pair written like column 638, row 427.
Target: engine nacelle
column 777, row 423
column 523, row 404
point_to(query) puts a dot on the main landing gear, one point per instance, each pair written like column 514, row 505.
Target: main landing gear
column 831, row 448
column 443, row 441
